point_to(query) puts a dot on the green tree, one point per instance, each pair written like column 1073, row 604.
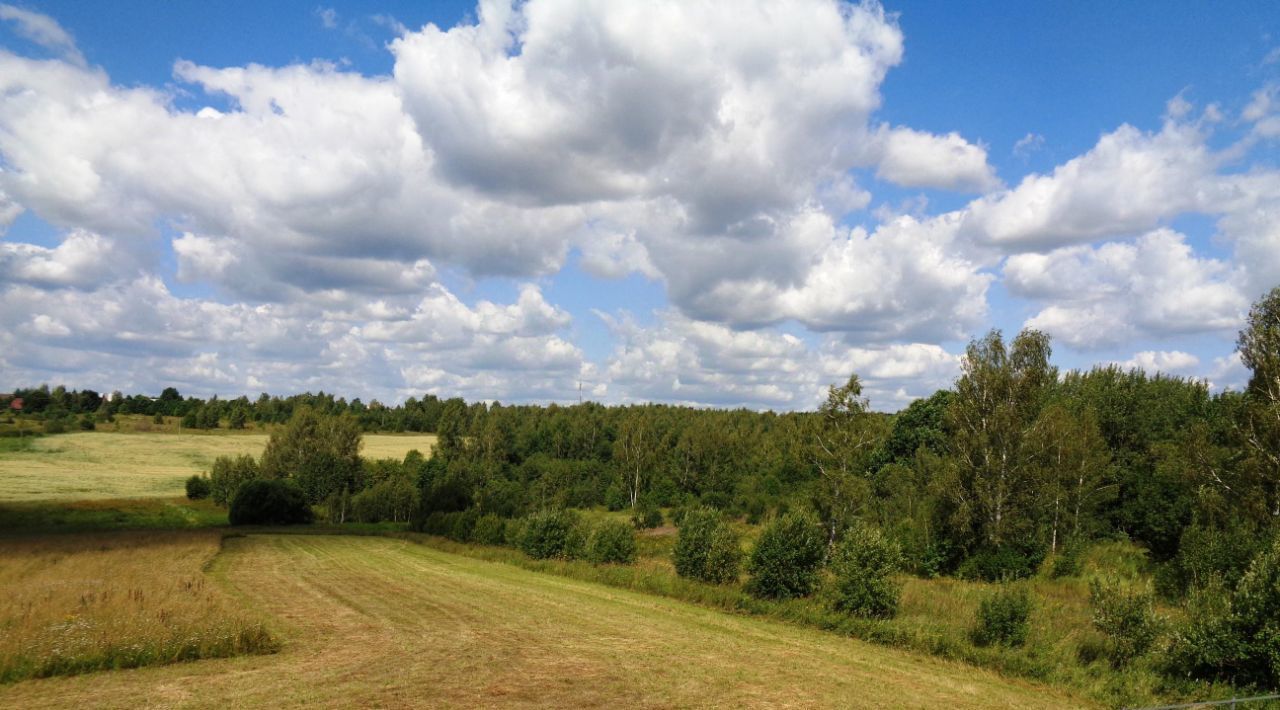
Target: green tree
column 706, row 548
column 863, row 570
column 1071, row 464
column 844, row 438
column 320, row 453
column 227, row 474
column 1259, row 346
column 998, row 398
column 634, row 451
column 787, row 556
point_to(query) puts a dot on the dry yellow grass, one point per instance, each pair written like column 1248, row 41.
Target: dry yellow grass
column 376, row 622
column 76, row 603
column 92, row 465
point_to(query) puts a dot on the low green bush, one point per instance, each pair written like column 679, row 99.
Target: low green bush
column 269, row 502
column 575, row 543
column 646, row 516
column 615, row 498
column 197, row 487
column 490, row 530
column 1235, row 639
column 1126, row 615
column 1003, row 617
column 1067, row 562
column 863, row 570
column 786, row 559
column 546, row 534
column 706, row 548
column 612, row 542
column 1003, row 562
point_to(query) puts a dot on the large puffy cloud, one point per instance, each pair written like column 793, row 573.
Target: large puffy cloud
column 1156, row 286
column 1129, row 182
column 689, row 142
column 732, row 108
column 83, row 260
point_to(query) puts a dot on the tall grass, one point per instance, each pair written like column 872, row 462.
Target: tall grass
column 74, row 604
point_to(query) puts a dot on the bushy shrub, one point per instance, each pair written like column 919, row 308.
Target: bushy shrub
column 461, row 524
column 227, row 474
column 646, row 515
column 514, row 532
column 1126, row 615
column 197, row 487
column 612, row 542
column 546, row 534
column 437, row 523
column 269, row 502
column 786, row 558
column 1003, row 562
column 1003, row 617
column 1207, row 553
column 55, row 426
column 1236, row 640
column 706, row 549
column 1067, row 563
column 615, row 498
column 86, row 423
column 863, row 569
column 575, row 543
column 490, row 530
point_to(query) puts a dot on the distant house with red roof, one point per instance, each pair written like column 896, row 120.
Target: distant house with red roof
column 16, row 404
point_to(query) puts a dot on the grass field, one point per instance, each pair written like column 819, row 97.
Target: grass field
column 97, row 465
column 71, row 604
column 375, row 622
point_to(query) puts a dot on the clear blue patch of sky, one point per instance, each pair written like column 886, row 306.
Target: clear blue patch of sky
column 31, row 229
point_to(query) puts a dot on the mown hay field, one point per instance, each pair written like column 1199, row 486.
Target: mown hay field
column 80, row 603
column 379, row 622
column 96, row 465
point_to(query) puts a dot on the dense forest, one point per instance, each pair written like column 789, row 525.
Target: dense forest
column 1014, row 463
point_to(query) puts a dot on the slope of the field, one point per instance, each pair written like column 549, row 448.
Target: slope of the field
column 376, row 622
column 139, row 465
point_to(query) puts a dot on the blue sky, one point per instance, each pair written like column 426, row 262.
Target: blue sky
column 721, row 204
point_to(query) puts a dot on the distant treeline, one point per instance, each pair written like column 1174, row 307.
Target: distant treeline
column 1013, row 463
column 413, row 415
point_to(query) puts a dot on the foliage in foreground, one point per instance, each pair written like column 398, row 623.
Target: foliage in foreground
column 1238, row 641
column 1003, row 617
column 863, row 569
column 1126, row 615
column 707, row 549
column 786, row 558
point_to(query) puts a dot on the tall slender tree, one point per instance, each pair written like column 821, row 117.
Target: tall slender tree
column 998, row 399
